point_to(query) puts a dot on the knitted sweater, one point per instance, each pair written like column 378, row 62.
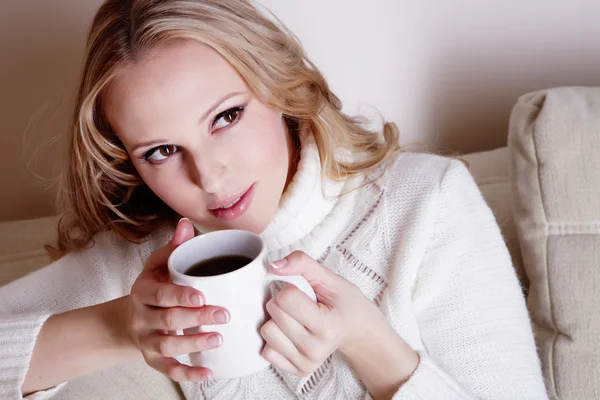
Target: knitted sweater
column 417, row 239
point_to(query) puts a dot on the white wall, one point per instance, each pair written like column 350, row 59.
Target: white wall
column 447, row 71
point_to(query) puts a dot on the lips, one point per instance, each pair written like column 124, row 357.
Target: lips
column 234, row 206
column 227, row 202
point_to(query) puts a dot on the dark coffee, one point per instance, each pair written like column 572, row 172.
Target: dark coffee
column 218, row 265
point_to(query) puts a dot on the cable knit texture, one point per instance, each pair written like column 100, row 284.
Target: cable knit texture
column 418, row 240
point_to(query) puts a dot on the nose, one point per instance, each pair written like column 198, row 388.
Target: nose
column 209, row 172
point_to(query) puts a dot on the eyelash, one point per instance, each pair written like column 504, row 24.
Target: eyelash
column 151, row 152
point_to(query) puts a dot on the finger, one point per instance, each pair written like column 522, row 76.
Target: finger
column 183, row 232
column 178, row 318
column 176, row 345
column 278, row 360
column 290, row 327
column 177, row 371
column 279, row 342
column 299, row 307
column 166, row 294
column 300, row 263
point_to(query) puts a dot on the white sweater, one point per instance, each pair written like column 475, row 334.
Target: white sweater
column 419, row 241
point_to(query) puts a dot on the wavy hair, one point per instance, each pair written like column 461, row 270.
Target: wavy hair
column 101, row 190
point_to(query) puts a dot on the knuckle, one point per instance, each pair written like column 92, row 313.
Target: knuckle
column 183, row 294
column 136, row 322
column 135, row 289
column 299, row 256
column 313, row 353
column 165, row 347
column 151, row 361
column 147, row 358
column 322, row 328
column 329, row 334
column 154, row 259
column 174, row 372
column 304, row 346
column 267, row 329
column 271, row 304
column 160, row 295
column 168, row 319
column 203, row 316
column 268, row 353
column 286, row 295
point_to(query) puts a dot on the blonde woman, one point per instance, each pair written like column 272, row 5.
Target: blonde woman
column 210, row 111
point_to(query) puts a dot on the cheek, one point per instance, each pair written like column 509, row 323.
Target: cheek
column 266, row 146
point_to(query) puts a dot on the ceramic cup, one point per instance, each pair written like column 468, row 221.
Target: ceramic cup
column 243, row 292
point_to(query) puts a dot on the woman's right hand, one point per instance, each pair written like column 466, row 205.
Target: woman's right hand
column 157, row 308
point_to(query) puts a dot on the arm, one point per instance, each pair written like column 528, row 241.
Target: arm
column 78, row 281
column 94, row 344
column 383, row 360
column 472, row 318
column 468, row 301
column 101, row 330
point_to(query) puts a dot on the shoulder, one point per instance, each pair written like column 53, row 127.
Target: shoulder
column 109, row 244
column 109, row 253
column 418, row 177
column 415, row 191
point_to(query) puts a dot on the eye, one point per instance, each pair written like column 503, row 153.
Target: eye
column 160, row 153
column 228, row 117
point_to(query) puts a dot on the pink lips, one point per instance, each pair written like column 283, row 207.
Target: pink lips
column 235, row 206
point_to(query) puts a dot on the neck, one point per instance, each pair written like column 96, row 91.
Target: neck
column 307, row 200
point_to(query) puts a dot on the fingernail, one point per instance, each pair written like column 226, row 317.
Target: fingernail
column 214, row 341
column 279, row 264
column 221, row 317
column 183, row 219
column 196, row 300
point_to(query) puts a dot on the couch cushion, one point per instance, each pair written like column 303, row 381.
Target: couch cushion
column 555, row 149
column 492, row 173
column 22, row 246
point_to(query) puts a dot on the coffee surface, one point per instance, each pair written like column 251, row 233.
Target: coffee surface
column 218, row 265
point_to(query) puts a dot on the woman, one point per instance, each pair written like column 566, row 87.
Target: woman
column 210, row 111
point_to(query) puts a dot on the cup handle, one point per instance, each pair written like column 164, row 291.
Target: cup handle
column 297, row 280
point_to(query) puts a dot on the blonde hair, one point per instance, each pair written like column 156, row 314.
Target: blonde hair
column 101, row 189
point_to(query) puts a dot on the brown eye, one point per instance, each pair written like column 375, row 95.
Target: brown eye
column 166, row 151
column 160, row 153
column 228, row 117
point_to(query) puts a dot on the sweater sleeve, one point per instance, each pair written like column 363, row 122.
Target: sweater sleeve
column 78, row 280
column 471, row 313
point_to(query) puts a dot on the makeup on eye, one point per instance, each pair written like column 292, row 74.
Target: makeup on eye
column 160, row 153
column 227, row 118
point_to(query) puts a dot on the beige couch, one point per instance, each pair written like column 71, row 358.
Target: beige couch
column 544, row 189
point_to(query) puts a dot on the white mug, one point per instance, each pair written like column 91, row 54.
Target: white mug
column 243, row 292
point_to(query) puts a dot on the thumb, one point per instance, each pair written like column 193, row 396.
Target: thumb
column 300, row 263
column 183, row 232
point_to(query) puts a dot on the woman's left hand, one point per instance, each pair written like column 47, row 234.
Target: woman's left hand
column 302, row 334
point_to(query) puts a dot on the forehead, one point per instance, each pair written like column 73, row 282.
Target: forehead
column 173, row 79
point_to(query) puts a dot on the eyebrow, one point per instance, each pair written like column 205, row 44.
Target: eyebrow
column 217, row 104
column 202, row 119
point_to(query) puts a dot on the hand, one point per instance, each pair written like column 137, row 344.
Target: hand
column 156, row 308
column 302, row 334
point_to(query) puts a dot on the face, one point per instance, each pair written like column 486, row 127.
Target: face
column 199, row 139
